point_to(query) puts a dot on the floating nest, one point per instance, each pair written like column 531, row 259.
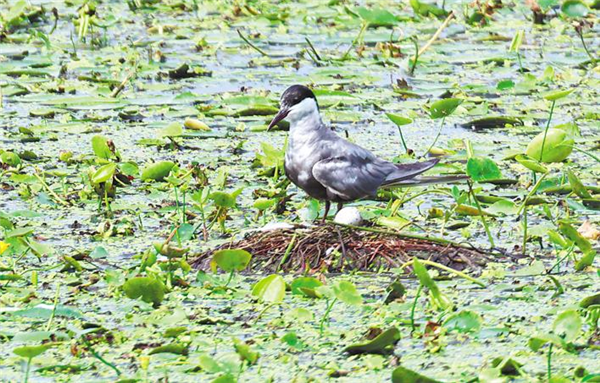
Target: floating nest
column 332, row 249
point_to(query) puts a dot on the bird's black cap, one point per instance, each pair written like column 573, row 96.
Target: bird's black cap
column 295, row 94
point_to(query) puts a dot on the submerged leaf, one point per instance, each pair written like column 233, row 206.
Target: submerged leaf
column 382, row 344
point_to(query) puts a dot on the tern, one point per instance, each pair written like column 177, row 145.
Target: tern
column 332, row 169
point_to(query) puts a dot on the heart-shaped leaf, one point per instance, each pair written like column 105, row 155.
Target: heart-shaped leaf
column 482, row 169
column 151, row 290
column 530, row 163
column 270, row 289
column 464, row 321
column 100, row 147
column 444, row 108
column 231, row 259
column 305, row 286
column 223, row 199
column 404, row 375
column 104, row 173
column 399, row 120
column 567, row 325
column 31, row 352
column 346, row 292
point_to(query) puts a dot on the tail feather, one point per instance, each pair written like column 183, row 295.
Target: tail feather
column 421, row 181
column 405, row 172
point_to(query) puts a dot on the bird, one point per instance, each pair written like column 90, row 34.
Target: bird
column 330, row 168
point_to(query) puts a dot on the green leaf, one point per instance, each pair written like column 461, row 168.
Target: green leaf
column 31, row 352
column 482, row 169
column 557, row 94
column 245, row 352
column 590, row 301
column 577, row 185
column 464, row 321
column 377, row 17
column 101, row 148
column 530, row 163
column 157, row 171
column 264, row 203
column 231, row 259
column 270, row 289
column 304, row 285
column 104, row 173
column 222, row 199
column 399, row 120
column 382, row 344
column 173, row 348
column 10, row 159
column 174, row 129
column 404, row 375
column 517, row 41
column 571, row 233
column 575, row 8
column 20, row 232
column 439, row 300
column 567, row 325
column 151, row 290
column 444, row 108
column 346, row 292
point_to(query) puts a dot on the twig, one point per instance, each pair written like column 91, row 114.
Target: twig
column 45, row 185
column 436, row 34
column 450, row 270
column 251, row 45
column 121, row 86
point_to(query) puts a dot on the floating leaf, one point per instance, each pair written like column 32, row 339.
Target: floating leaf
column 575, row 8
column 492, row 122
column 395, row 290
column 346, row 292
column 193, row 124
column 444, row 108
column 557, row 148
column 567, row 325
column 157, row 171
column 464, row 321
column 173, row 348
column 151, row 290
column 305, row 286
column 231, row 259
column 382, row 344
column 270, row 289
column 404, row 375
column 590, row 301
column 482, row 169
column 172, row 130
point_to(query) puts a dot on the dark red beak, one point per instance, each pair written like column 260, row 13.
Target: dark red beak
column 283, row 112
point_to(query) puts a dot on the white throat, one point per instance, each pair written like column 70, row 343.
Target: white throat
column 304, row 115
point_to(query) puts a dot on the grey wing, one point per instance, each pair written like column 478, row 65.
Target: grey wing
column 349, row 177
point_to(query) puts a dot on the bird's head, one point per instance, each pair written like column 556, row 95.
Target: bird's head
column 296, row 103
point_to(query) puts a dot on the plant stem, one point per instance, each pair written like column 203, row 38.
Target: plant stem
column 357, row 39
column 585, row 152
column 251, row 45
column 482, row 215
column 402, row 138
column 288, row 250
column 450, row 270
column 520, row 63
column 45, row 185
column 436, row 137
column 524, row 245
column 312, row 48
column 413, row 63
column 230, row 278
column 27, row 370
column 51, row 319
column 550, row 361
column 592, row 58
column 262, row 312
column 326, row 315
column 100, row 358
column 414, row 306
column 546, row 131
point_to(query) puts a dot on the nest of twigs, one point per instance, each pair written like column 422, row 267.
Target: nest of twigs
column 334, row 249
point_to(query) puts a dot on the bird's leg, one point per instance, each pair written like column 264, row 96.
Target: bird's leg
column 327, row 206
column 340, row 206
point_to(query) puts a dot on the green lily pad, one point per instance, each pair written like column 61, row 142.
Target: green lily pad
column 270, row 289
column 231, row 259
column 444, row 108
column 382, row 344
column 151, row 290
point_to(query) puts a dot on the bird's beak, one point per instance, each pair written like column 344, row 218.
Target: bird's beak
column 283, row 112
